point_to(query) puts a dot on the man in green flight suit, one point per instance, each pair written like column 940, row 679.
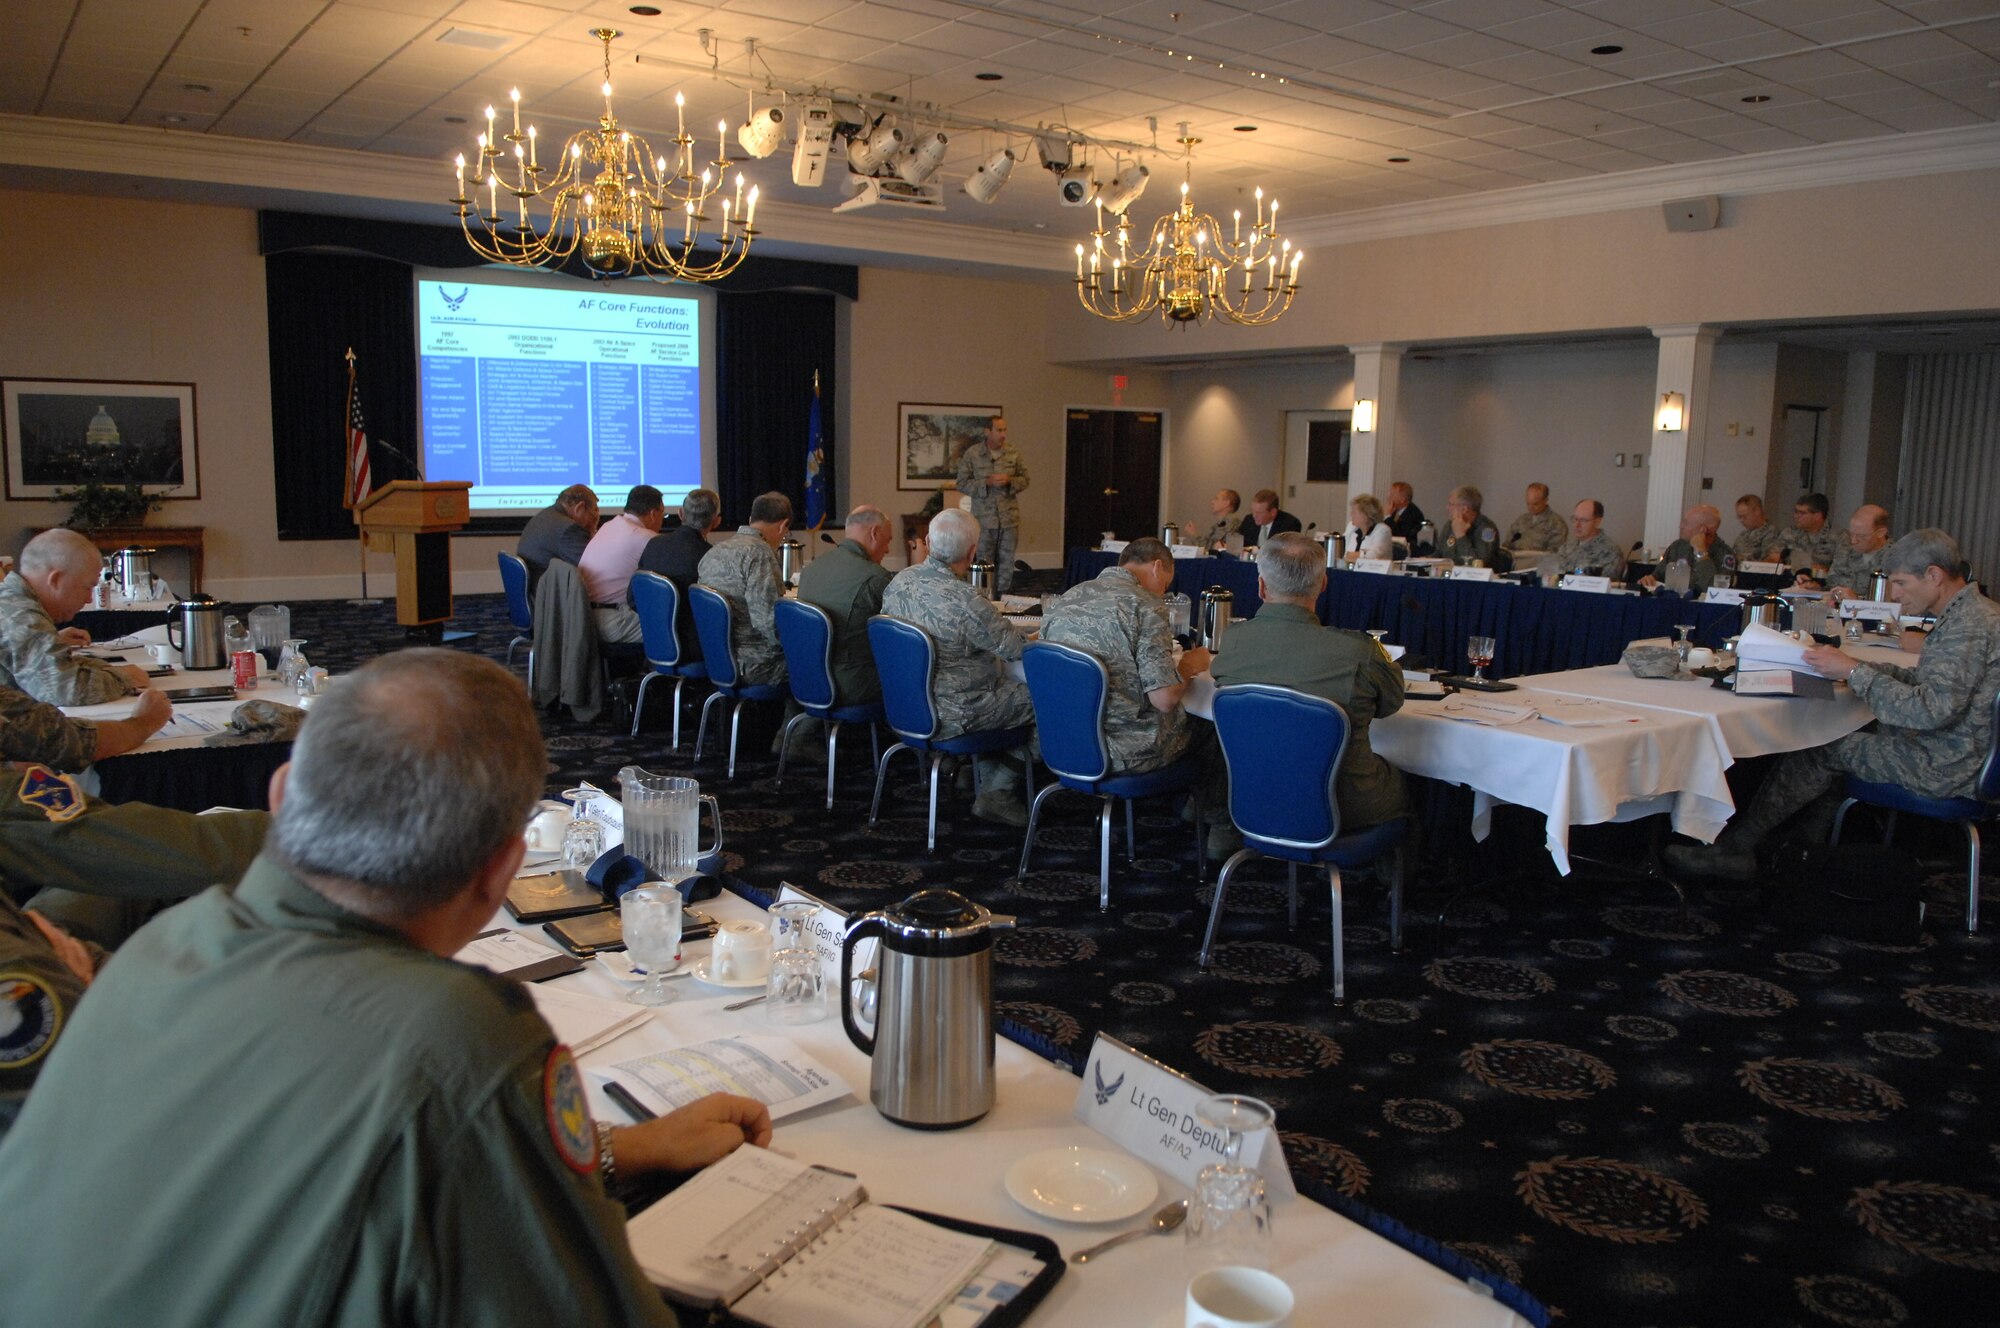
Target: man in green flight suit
column 299, row 1109
column 847, row 583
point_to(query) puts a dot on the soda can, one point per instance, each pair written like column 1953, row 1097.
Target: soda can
column 244, row 665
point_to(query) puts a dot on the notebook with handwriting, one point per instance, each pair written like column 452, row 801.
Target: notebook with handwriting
column 787, row 1245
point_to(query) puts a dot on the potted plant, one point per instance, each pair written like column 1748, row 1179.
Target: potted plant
column 96, row 506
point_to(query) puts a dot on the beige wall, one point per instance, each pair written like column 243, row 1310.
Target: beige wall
column 1229, row 428
column 1916, row 245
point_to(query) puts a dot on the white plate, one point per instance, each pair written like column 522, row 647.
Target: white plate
column 700, row 970
column 1082, row 1184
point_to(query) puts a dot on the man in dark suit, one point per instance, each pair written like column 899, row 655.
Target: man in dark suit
column 676, row 554
column 1403, row 516
column 1265, row 519
column 560, row 530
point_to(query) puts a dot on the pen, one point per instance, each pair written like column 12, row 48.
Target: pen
column 634, row 1108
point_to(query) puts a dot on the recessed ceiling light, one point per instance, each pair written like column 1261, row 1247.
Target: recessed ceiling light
column 454, row 119
column 989, row 77
column 196, row 87
column 646, row 11
column 1246, row 129
column 1041, row 225
column 1399, row 160
column 1756, row 98
column 173, row 119
column 1606, row 50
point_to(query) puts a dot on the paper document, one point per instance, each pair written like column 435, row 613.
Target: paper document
column 514, row 954
column 1478, row 710
column 776, row 1072
column 184, row 725
column 1581, row 712
column 1761, row 647
column 585, row 1023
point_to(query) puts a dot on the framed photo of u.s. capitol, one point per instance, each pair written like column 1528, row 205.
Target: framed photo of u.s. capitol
column 62, row 433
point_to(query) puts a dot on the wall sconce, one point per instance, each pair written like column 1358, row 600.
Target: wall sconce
column 1672, row 406
column 1364, row 415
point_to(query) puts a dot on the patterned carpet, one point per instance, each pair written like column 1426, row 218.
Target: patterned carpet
column 1639, row 1117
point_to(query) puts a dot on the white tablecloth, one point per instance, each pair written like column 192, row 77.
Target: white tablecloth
column 1341, row 1272
column 1744, row 726
column 209, row 716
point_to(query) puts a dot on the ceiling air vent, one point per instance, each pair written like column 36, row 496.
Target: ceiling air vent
column 483, row 41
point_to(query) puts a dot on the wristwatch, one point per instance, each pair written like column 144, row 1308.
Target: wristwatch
column 607, row 1164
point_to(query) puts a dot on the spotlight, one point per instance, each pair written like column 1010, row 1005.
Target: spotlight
column 1077, row 188
column 1124, row 189
column 815, row 141
column 764, row 132
column 923, row 158
column 866, row 154
column 1054, row 150
column 983, row 185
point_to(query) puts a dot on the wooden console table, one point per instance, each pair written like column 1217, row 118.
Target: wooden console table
column 110, row 539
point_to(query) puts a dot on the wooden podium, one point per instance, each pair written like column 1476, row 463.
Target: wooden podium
column 413, row 519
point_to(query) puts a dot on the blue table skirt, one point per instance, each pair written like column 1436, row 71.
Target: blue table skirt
column 1537, row 630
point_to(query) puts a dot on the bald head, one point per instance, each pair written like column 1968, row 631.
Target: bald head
column 60, row 567
column 868, row 526
column 1868, row 528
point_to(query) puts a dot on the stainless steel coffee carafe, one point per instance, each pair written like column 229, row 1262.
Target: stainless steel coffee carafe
column 1336, row 551
column 135, row 572
column 791, row 557
column 932, row 1051
column 1170, row 534
column 1217, row 604
column 198, row 623
column 984, row 581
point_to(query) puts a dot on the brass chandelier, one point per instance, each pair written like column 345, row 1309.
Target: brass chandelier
column 1187, row 273
column 610, row 200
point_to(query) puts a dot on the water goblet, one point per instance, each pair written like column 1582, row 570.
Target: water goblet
column 1682, row 642
column 1479, row 652
column 651, row 918
column 1229, row 1217
column 795, row 993
column 583, row 844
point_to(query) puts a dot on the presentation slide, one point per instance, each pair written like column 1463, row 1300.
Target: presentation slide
column 525, row 390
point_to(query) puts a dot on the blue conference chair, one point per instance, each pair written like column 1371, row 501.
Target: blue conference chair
column 906, row 659
column 713, row 617
column 657, row 601
column 1284, row 750
column 805, row 634
column 1069, row 687
column 1965, row 812
column 514, row 580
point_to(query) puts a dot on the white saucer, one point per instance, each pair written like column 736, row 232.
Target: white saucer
column 699, row 969
column 1082, row 1184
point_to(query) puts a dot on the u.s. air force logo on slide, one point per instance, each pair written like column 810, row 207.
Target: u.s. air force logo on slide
column 30, row 1018
column 569, row 1115
column 57, row 797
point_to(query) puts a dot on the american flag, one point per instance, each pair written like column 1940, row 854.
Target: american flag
column 359, row 480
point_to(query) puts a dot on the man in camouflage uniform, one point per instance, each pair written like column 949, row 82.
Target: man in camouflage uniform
column 32, row 730
column 1853, row 571
column 1588, row 545
column 1698, row 546
column 1215, row 535
column 994, row 476
column 971, row 686
column 1810, row 542
column 1760, row 542
column 58, row 568
column 1933, row 722
column 1537, row 528
column 1121, row 619
column 744, row 568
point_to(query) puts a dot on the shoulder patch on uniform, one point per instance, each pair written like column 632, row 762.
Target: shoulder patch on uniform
column 570, row 1126
column 30, row 1017
column 57, row 797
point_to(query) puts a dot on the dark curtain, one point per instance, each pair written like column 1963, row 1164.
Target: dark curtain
column 319, row 305
column 768, row 346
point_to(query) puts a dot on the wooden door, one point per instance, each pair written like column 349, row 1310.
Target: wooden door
column 1111, row 475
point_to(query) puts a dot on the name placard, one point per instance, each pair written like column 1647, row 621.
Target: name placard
column 1112, row 546
column 1723, row 595
column 1871, row 610
column 1188, row 551
column 828, row 928
column 1761, row 569
column 1379, row 565
column 1596, row 585
column 1472, row 574
column 1150, row 1111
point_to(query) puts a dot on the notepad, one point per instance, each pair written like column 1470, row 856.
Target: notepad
column 787, row 1245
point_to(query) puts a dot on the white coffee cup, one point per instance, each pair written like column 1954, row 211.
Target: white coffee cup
column 1701, row 657
column 741, row 952
column 162, row 653
column 546, row 830
column 1238, row 1298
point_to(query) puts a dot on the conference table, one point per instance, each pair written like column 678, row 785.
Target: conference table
column 175, row 767
column 1340, row 1271
column 1536, row 630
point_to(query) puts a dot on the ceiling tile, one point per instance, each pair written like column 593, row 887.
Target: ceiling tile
column 1877, row 20
column 1890, row 52
column 1484, row 14
column 1791, row 13
column 1398, row 31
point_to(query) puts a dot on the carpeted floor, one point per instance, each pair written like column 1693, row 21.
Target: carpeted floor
column 1640, row 1117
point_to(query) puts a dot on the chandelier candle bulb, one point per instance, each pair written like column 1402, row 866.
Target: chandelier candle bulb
column 533, row 164
column 491, row 137
column 515, row 95
column 750, row 218
column 461, row 179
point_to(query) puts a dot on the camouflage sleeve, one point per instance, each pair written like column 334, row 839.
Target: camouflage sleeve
column 1019, row 471
column 986, row 630
column 1153, row 646
column 32, row 730
column 1936, row 692
column 967, row 475
column 761, row 591
column 46, row 669
column 38, row 996
column 1615, row 569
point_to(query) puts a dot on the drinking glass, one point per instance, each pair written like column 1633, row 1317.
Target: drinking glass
column 1479, row 651
column 796, row 990
column 291, row 661
column 1180, row 612
column 1682, row 642
column 651, row 920
column 583, row 844
column 1229, row 1217
column 1679, row 577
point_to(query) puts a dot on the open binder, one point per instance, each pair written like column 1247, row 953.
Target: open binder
column 762, row 1239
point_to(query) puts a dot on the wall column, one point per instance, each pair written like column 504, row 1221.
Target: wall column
column 1378, row 372
column 1687, row 362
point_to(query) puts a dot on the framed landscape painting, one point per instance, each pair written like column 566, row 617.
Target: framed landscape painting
column 62, row 432
column 930, row 437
